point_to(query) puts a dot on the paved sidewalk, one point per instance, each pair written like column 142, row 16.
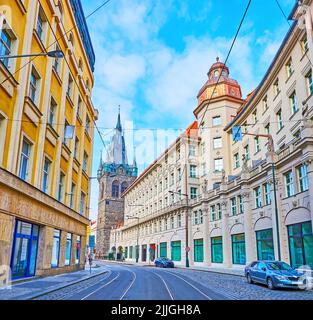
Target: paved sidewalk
column 30, row 289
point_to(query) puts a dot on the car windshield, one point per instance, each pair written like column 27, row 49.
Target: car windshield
column 279, row 266
column 165, row 259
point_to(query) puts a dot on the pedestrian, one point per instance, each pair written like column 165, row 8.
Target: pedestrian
column 90, row 261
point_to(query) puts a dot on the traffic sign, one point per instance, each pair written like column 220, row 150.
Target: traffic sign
column 187, row 249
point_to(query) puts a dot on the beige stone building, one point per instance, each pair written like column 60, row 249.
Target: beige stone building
column 227, row 207
column 46, row 136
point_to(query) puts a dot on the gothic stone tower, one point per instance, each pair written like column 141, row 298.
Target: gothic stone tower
column 114, row 177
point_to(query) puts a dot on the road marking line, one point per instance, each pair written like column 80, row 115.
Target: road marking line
column 134, row 279
column 166, row 286
column 205, row 295
column 101, row 287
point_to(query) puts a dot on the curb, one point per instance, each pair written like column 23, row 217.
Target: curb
column 62, row 287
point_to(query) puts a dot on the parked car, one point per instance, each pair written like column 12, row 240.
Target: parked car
column 164, row 263
column 275, row 274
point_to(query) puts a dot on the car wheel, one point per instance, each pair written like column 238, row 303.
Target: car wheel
column 249, row 279
column 270, row 284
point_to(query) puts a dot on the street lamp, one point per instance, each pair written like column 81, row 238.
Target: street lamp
column 52, row 54
column 186, row 224
column 137, row 245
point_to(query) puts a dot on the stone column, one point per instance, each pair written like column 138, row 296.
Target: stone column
column 7, row 224
column 251, row 254
column 62, row 249
column 73, row 250
column 190, row 238
column 206, row 236
column 227, row 252
column 310, row 177
column 83, row 241
column 45, row 246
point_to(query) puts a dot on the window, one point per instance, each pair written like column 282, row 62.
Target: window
column 82, row 203
column 217, row 143
column 163, row 250
column 33, row 85
column 213, row 213
column 241, row 207
column 178, row 174
column 304, row 44
column 255, row 116
column 131, row 252
column 200, row 216
column 309, row 83
column 172, row 223
column 217, row 121
column 257, row 146
column 247, row 152
column 166, row 183
column 72, row 195
column 193, row 171
column 195, row 218
column 293, row 103
column 57, row 61
column 203, row 148
column 24, row 161
column 70, row 87
column 179, row 224
column 198, row 250
column 258, row 197
column 115, row 189
column 233, row 205
column 265, row 104
column 76, row 148
column 218, row 164
column 219, row 211
column 78, row 249
column 301, row 244
column 40, row 27
column 217, row 249
column 193, row 192
column 61, row 187
column 56, row 248
column 45, row 175
column 276, row 88
column 176, row 250
column 192, row 150
column 124, row 187
column 279, row 120
column 52, row 113
column 68, row 249
column 203, row 168
column 172, row 177
column 88, row 125
column 239, row 249
column 5, row 47
column 79, row 107
column 268, row 129
column 85, row 162
column 265, row 244
column 289, row 184
column 267, row 193
column 303, row 178
column 289, row 68
column 236, row 161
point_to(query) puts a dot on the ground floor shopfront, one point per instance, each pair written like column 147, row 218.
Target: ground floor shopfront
column 38, row 235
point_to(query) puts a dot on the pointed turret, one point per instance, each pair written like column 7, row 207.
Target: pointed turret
column 119, row 124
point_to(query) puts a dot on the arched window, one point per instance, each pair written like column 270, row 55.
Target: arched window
column 124, row 187
column 115, row 189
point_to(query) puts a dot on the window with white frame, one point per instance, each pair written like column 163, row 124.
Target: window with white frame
column 179, row 224
column 289, row 68
column 289, row 184
column 193, row 192
column 217, row 143
column 276, row 87
column 217, row 121
column 82, row 203
column 218, row 164
column 57, row 61
column 34, row 86
column 279, row 117
column 219, row 211
column 41, row 25
column 70, row 87
column 257, row 144
column 45, row 175
column 73, row 196
column 195, row 218
column 24, row 160
column 213, row 213
column 85, row 162
column 233, row 206
column 303, row 177
column 5, row 47
column 309, row 83
column 255, row 116
column 52, row 113
column 304, row 44
column 236, row 160
column 200, row 216
column 265, row 103
column 258, row 197
column 193, row 171
column 240, row 204
column 192, row 150
column 172, row 223
column 247, row 152
column 267, row 193
column 293, row 102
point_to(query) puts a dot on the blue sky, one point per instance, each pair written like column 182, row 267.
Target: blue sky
column 152, row 57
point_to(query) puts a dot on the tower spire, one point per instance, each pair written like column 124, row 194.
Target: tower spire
column 119, row 125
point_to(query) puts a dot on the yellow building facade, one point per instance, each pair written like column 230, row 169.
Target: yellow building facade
column 46, row 136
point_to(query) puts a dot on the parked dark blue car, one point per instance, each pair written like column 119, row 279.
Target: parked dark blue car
column 164, row 263
column 275, row 274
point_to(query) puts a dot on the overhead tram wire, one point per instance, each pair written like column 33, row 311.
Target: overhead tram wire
column 228, row 55
column 290, row 25
column 73, row 77
column 52, row 44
